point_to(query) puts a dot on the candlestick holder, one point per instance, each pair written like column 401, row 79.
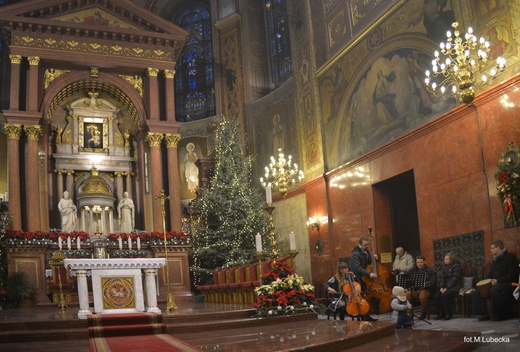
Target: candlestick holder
column 272, row 237
column 170, row 302
column 260, row 256
column 293, row 253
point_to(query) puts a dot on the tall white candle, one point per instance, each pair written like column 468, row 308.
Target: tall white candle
column 292, row 241
column 79, row 243
column 120, row 243
column 268, row 195
column 138, row 243
column 129, row 243
column 258, row 240
column 69, row 244
column 60, row 243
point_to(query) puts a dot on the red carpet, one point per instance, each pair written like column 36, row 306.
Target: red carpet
column 139, row 332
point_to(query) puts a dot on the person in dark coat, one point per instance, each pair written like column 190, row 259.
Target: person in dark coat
column 426, row 291
column 335, row 287
column 360, row 258
column 449, row 286
column 503, row 272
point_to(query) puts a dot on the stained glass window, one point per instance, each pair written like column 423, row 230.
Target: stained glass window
column 194, row 81
column 279, row 41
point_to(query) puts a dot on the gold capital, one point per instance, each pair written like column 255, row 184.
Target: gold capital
column 154, row 139
column 13, row 131
column 119, row 173
column 172, row 140
column 15, row 59
column 33, row 60
column 152, row 72
column 33, row 132
column 169, row 73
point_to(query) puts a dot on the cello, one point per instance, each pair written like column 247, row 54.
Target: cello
column 377, row 289
column 356, row 305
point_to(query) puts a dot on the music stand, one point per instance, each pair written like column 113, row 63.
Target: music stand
column 412, row 282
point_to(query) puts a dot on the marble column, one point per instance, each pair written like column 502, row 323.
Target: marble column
column 32, row 83
column 59, row 182
column 119, row 185
column 33, row 133
column 129, row 183
column 172, row 141
column 153, row 93
column 14, row 92
column 14, row 132
column 154, row 139
column 70, row 183
column 151, row 291
column 84, row 309
column 169, row 92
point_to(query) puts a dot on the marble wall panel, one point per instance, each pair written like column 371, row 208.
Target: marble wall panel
column 454, row 160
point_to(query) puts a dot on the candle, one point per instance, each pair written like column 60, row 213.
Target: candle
column 268, row 196
column 79, row 243
column 129, row 243
column 120, row 243
column 258, row 239
column 138, row 243
column 292, row 241
column 69, row 244
column 60, row 243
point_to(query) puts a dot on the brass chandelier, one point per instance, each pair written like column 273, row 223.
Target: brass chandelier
column 462, row 60
column 281, row 174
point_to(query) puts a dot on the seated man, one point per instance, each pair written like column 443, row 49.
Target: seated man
column 403, row 262
column 504, row 271
column 423, row 293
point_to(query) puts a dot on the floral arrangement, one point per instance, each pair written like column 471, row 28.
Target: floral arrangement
column 508, row 185
column 173, row 237
column 43, row 237
column 283, row 292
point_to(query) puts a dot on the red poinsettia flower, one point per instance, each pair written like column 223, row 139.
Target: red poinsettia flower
column 503, row 177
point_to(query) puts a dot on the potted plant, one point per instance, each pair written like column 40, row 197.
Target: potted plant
column 17, row 291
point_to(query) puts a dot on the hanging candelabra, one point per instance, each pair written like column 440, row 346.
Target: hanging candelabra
column 462, row 60
column 282, row 174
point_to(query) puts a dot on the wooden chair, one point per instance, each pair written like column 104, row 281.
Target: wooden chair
column 61, row 284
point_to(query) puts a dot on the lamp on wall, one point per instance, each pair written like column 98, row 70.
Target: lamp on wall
column 282, row 174
column 463, row 59
column 313, row 224
column 297, row 19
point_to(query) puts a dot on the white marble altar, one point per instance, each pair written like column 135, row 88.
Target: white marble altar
column 117, row 284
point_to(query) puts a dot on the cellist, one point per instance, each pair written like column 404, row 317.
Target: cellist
column 334, row 287
column 359, row 260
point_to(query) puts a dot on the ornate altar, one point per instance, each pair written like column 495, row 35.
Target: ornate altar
column 117, row 284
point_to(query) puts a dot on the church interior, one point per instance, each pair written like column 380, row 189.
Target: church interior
column 388, row 123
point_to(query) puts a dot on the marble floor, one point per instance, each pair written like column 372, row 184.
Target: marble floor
column 467, row 333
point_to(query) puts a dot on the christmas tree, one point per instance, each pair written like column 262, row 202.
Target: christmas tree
column 231, row 210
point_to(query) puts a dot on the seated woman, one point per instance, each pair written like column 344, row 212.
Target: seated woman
column 335, row 287
column 450, row 284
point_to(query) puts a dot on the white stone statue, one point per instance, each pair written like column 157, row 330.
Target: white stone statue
column 126, row 212
column 68, row 213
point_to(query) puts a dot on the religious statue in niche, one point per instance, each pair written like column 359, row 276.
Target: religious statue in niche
column 189, row 170
column 508, row 184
